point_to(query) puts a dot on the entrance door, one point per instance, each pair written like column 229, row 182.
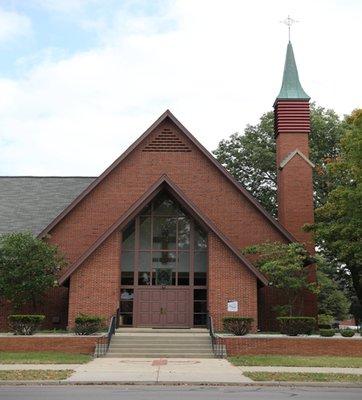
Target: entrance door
column 163, row 307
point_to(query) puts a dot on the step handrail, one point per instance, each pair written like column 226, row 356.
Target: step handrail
column 217, row 342
column 103, row 342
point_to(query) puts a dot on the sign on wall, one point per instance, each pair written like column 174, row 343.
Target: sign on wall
column 233, row 306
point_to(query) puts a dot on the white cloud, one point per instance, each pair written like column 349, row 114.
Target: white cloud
column 216, row 65
column 13, row 25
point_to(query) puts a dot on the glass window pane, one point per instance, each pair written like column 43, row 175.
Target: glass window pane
column 200, row 238
column 199, row 319
column 127, row 319
column 183, row 233
column 164, row 233
column 200, row 261
column 144, row 276
column 145, row 232
column 164, row 205
column 127, row 278
column 200, row 279
column 146, row 210
column 127, row 294
column 127, row 260
column 200, row 307
column 200, row 294
column 183, row 278
column 126, row 306
column 128, row 237
column 183, row 261
column 163, row 259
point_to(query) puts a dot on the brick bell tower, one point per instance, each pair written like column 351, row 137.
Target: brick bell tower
column 294, row 169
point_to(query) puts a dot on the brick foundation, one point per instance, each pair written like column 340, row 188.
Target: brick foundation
column 297, row 346
column 65, row 344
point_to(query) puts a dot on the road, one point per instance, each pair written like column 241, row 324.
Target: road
column 174, row 393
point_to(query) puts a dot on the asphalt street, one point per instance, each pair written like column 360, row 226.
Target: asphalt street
column 175, row 393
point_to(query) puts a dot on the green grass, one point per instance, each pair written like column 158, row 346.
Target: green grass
column 42, row 357
column 302, row 377
column 34, row 375
column 298, row 361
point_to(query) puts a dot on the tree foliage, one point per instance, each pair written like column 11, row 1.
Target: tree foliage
column 338, row 227
column 251, row 157
column 285, row 267
column 28, row 267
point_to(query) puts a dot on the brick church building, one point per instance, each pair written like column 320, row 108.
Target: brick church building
column 157, row 237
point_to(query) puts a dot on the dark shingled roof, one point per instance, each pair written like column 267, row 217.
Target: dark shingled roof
column 30, row 203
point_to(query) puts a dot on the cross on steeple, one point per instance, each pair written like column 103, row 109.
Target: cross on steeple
column 289, row 22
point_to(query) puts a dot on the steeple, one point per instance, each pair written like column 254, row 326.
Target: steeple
column 291, row 87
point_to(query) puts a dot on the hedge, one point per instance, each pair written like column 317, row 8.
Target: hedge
column 294, row 326
column 87, row 324
column 239, row 326
column 25, row 324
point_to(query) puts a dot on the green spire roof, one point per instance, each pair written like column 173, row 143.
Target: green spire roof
column 291, row 87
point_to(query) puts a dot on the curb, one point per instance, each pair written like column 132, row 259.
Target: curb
column 176, row 383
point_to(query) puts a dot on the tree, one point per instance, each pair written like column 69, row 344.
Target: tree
column 332, row 300
column 28, row 268
column 285, row 266
column 250, row 157
column 338, row 227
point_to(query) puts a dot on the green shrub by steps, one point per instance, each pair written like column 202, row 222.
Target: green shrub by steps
column 239, row 326
column 347, row 332
column 25, row 324
column 87, row 324
column 325, row 321
column 294, row 326
column 327, row 332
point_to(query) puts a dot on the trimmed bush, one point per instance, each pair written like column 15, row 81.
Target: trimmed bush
column 327, row 332
column 87, row 324
column 25, row 324
column 347, row 332
column 325, row 321
column 293, row 326
column 239, row 326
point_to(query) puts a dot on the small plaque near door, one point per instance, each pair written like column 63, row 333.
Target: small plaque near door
column 233, row 306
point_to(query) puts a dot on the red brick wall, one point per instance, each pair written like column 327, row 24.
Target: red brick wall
column 95, row 286
column 72, row 344
column 227, row 280
column 294, row 346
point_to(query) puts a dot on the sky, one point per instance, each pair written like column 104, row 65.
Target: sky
column 80, row 80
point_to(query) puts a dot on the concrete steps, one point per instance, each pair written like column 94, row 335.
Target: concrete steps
column 160, row 343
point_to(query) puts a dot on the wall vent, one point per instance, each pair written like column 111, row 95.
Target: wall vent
column 167, row 141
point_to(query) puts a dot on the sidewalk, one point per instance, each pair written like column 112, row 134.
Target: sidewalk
column 159, row 370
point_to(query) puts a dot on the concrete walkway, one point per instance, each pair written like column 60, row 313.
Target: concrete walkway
column 149, row 370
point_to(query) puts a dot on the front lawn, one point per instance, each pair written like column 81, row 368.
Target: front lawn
column 297, row 361
column 34, row 375
column 302, row 377
column 42, row 357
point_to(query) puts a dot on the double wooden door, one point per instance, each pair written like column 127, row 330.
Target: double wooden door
column 163, row 307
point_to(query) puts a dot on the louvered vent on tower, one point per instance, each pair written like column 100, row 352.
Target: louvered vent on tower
column 167, row 141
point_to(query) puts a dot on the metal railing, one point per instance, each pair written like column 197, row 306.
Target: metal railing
column 103, row 342
column 218, row 344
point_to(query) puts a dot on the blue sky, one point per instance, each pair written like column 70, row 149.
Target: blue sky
column 94, row 74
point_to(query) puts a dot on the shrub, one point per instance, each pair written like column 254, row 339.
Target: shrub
column 325, row 321
column 347, row 332
column 25, row 324
column 327, row 332
column 294, row 326
column 87, row 324
column 239, row 326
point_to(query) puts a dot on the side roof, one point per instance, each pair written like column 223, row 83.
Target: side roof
column 30, row 203
column 163, row 183
column 207, row 154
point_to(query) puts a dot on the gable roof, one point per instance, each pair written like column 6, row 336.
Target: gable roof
column 163, row 183
column 206, row 153
column 29, row 203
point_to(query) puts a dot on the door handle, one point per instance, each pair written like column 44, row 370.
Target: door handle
column 162, row 311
